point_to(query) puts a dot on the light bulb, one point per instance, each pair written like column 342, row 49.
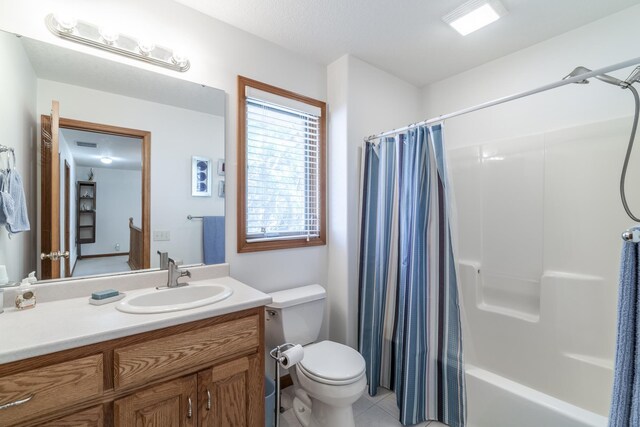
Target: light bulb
column 66, row 22
column 179, row 58
column 146, row 47
column 106, row 160
column 109, row 35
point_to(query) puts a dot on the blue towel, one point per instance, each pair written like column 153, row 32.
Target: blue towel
column 625, row 403
column 20, row 221
column 7, row 205
column 213, row 239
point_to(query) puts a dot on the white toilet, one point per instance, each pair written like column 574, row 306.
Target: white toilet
column 331, row 376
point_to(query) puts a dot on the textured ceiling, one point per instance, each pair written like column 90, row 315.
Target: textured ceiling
column 125, row 152
column 404, row 37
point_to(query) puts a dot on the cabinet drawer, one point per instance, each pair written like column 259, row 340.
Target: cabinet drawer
column 92, row 417
column 139, row 363
column 44, row 390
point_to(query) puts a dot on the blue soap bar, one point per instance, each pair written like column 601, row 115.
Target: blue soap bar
column 107, row 293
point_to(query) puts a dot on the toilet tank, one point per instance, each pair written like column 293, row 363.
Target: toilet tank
column 295, row 316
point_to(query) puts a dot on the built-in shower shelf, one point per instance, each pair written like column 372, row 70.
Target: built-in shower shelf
column 521, row 315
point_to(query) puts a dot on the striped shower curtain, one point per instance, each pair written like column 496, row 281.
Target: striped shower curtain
column 409, row 321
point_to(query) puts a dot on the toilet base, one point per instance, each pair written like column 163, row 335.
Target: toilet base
column 322, row 415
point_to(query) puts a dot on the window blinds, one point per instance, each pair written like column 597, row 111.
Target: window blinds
column 282, row 160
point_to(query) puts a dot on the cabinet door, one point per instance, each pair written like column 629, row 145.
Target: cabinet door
column 92, row 417
column 170, row 404
column 231, row 394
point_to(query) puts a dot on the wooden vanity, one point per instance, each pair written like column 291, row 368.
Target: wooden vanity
column 204, row 373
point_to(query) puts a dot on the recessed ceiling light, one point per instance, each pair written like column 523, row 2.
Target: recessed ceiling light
column 474, row 14
column 106, row 160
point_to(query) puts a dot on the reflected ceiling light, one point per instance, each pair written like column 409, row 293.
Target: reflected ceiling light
column 109, row 35
column 106, row 160
column 86, row 33
column 474, row 14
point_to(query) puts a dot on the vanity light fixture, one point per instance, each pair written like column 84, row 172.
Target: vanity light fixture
column 69, row 28
column 146, row 47
column 179, row 58
column 108, row 35
column 65, row 22
column 106, row 160
column 474, row 14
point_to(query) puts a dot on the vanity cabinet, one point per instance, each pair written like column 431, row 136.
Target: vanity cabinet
column 204, row 373
column 225, row 394
column 92, row 417
column 170, row 404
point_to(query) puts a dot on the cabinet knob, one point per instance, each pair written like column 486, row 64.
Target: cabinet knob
column 189, row 409
column 208, row 400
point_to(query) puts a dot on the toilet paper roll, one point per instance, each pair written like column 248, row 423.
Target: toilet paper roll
column 292, row 356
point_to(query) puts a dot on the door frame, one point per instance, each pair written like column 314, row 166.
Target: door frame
column 67, row 218
column 146, row 170
column 49, row 168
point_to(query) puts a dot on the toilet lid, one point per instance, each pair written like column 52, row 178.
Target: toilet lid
column 330, row 362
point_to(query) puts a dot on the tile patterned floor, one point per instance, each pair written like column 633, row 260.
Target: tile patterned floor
column 369, row 411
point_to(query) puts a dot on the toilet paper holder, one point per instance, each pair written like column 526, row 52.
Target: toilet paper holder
column 276, row 355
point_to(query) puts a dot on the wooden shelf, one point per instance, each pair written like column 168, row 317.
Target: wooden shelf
column 86, row 233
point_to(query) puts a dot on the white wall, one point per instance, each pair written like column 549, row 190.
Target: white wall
column 177, row 134
column 218, row 53
column 118, row 198
column 363, row 100
column 18, row 130
column 601, row 43
column 539, row 216
column 65, row 155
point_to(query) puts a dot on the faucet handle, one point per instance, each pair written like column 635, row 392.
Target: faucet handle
column 164, row 260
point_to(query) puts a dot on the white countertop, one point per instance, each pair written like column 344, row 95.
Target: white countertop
column 67, row 323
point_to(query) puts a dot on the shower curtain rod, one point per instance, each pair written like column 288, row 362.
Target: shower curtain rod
column 498, row 101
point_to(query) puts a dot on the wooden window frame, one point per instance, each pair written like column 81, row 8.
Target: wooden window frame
column 243, row 245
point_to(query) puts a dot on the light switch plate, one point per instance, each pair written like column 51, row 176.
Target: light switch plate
column 161, row 235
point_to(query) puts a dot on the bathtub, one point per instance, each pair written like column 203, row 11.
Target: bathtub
column 495, row 401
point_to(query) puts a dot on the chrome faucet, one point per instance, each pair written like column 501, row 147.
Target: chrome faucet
column 175, row 273
column 164, row 260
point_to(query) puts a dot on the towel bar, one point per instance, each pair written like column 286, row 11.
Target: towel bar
column 632, row 235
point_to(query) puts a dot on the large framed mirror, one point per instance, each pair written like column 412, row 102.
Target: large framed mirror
column 118, row 164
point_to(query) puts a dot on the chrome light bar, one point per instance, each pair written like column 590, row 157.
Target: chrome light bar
column 91, row 35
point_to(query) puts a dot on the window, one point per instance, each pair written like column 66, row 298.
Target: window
column 281, row 168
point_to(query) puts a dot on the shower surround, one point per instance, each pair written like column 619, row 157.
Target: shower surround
column 538, row 242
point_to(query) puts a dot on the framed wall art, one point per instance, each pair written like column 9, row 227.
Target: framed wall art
column 200, row 176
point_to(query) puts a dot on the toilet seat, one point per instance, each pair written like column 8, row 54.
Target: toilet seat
column 328, row 362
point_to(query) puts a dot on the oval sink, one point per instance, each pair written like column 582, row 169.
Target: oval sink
column 174, row 299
